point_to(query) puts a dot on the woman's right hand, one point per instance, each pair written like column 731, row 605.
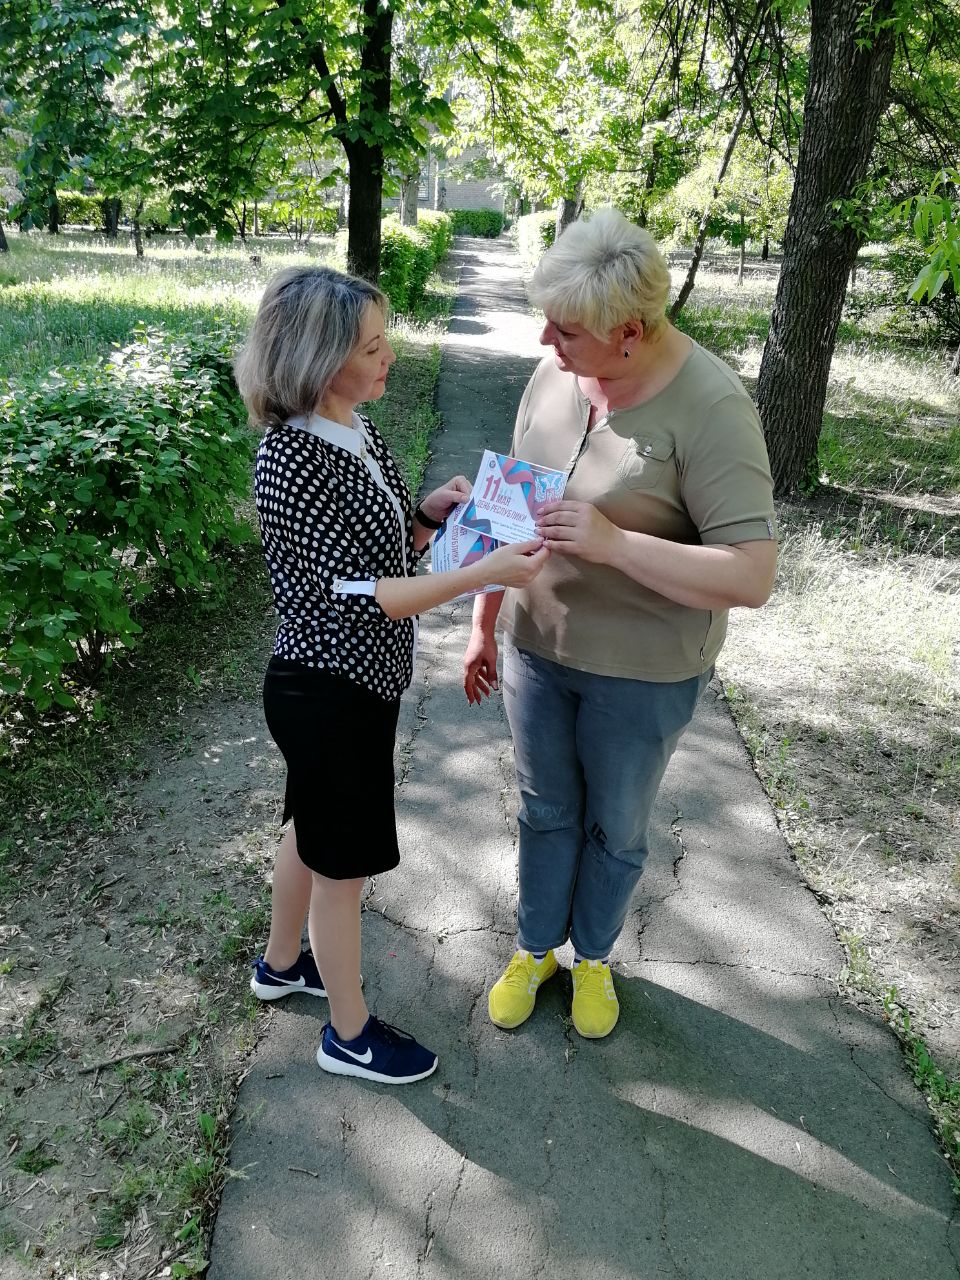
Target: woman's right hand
column 515, row 564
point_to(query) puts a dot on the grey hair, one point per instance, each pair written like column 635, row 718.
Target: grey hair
column 308, row 322
column 601, row 272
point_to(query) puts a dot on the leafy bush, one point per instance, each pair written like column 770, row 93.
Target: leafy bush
column 115, row 479
column 438, row 228
column 155, row 214
column 408, row 255
column 939, row 315
column 535, row 233
column 298, row 218
column 77, row 209
column 477, row 222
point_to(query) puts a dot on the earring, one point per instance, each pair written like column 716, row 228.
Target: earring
column 626, row 355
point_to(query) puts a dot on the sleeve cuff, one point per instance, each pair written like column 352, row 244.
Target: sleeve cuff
column 745, row 531
column 355, row 586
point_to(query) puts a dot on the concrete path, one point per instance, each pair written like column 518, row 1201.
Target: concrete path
column 742, row 1122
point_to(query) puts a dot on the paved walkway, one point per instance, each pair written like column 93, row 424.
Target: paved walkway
column 742, row 1122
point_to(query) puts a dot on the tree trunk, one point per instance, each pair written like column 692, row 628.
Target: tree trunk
column 765, row 250
column 701, row 240
column 649, row 182
column 409, row 197
column 137, row 236
column 847, row 90
column 53, row 217
column 569, row 208
column 365, row 160
column 256, row 218
column 363, row 214
column 4, row 247
column 111, row 215
column 440, row 186
column 743, row 252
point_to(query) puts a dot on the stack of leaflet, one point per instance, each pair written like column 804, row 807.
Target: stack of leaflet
column 507, row 496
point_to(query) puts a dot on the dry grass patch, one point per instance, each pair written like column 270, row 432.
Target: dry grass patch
column 847, row 689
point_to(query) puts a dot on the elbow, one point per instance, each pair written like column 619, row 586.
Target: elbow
column 755, row 594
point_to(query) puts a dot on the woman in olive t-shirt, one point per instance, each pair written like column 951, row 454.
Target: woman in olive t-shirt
column 667, row 522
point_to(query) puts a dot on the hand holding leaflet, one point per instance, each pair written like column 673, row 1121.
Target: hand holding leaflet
column 457, row 546
column 507, row 496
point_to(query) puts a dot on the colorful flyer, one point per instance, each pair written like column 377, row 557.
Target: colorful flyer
column 507, row 496
column 456, row 545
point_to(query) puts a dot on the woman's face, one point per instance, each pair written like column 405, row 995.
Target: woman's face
column 579, row 351
column 364, row 376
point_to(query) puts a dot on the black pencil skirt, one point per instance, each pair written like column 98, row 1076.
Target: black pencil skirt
column 337, row 739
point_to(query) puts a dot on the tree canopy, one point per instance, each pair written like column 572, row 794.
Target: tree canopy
column 809, row 125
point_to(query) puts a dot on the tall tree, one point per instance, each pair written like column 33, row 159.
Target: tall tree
column 59, row 58
column 251, row 71
column 852, row 46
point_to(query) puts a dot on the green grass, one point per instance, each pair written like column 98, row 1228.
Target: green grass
column 941, row 1091
column 71, row 301
column 35, row 1160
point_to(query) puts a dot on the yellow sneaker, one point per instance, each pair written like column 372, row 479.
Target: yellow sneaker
column 595, row 1004
column 513, row 995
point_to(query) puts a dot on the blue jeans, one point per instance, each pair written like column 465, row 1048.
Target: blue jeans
column 591, row 752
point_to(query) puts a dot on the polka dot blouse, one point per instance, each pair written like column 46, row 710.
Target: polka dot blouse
column 329, row 532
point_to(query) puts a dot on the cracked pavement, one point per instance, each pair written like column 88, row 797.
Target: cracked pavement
column 742, row 1123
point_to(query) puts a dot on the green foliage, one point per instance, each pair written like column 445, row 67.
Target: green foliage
column 438, row 229
column 751, row 204
column 477, row 222
column 58, row 66
column 77, row 209
column 535, row 233
column 155, row 214
column 408, row 256
column 935, row 216
column 116, row 478
column 298, row 218
column 933, row 317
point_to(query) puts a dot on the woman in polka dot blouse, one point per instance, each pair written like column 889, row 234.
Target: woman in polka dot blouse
column 341, row 544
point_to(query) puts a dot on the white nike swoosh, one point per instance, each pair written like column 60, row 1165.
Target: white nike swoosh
column 360, row 1057
column 289, row 982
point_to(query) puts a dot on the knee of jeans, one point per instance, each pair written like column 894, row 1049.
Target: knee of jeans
column 547, row 814
column 627, row 859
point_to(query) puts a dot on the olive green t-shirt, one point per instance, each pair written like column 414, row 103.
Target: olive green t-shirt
column 689, row 465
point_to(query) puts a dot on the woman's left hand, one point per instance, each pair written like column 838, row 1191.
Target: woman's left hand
column 578, row 529
column 438, row 504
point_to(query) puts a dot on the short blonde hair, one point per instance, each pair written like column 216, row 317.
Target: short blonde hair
column 308, row 322
column 601, row 272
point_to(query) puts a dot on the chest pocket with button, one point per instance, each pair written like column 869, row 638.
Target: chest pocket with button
column 643, row 461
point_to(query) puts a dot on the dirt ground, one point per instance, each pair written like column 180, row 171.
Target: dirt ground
column 862, row 763
column 125, row 1009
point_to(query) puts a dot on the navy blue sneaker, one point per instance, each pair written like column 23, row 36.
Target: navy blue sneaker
column 303, row 976
column 380, row 1052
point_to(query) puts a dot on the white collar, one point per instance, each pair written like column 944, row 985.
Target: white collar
column 353, row 438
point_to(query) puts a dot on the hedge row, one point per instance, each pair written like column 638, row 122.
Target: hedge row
column 477, row 222
column 116, row 479
column 79, row 210
column 535, row 233
column 409, row 255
